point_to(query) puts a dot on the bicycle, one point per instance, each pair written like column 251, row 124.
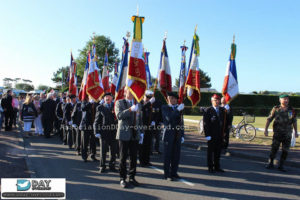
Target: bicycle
column 244, row 130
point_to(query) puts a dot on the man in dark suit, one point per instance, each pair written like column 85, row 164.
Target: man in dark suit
column 76, row 119
column 6, row 104
column 105, row 125
column 214, row 122
column 86, row 127
column 156, row 124
column 129, row 134
column 68, row 120
column 59, row 115
column 148, row 124
column 48, row 114
column 173, row 136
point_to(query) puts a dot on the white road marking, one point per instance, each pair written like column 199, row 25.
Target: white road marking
column 180, row 180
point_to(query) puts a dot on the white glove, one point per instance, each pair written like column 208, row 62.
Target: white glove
column 91, row 101
column 208, row 138
column 180, row 107
column 70, row 123
column 134, row 108
column 98, row 135
column 153, row 123
column 74, row 125
column 152, row 100
column 141, row 138
column 182, row 140
column 102, row 101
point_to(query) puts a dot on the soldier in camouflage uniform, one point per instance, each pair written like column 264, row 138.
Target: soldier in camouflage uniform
column 285, row 121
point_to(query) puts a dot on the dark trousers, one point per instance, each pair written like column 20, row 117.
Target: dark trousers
column 145, row 148
column 65, row 133
column 15, row 115
column 57, row 124
column 213, row 153
column 126, row 147
column 285, row 140
column 172, row 148
column 70, row 136
column 88, row 139
column 9, row 116
column 106, row 144
column 48, row 126
column 59, row 129
column 156, row 137
column 77, row 139
column 226, row 139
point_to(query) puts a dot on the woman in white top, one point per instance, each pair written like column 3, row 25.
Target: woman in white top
column 37, row 120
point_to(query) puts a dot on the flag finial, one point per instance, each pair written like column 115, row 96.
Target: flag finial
column 128, row 35
column 166, row 34
column 184, row 42
column 233, row 41
column 137, row 9
column 196, row 28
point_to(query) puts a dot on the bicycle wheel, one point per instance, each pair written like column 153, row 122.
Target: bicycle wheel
column 247, row 132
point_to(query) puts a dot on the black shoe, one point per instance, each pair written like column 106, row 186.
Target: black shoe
column 219, row 170
column 113, row 169
column 84, row 160
column 94, row 159
column 102, row 170
column 132, row 181
column 176, row 176
column 123, row 184
column 280, row 168
column 78, row 153
column 211, row 170
column 158, row 152
column 270, row 165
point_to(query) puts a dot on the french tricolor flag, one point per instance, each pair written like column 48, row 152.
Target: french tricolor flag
column 231, row 86
column 164, row 72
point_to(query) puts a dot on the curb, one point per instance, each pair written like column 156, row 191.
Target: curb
column 30, row 168
column 241, row 155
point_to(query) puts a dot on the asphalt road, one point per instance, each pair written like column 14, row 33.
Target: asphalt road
column 243, row 179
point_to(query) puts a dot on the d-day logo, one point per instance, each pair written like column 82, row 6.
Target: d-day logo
column 23, row 185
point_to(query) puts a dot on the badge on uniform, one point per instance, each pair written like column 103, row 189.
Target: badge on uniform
column 290, row 114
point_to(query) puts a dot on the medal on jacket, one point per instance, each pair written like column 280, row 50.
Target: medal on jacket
column 290, row 113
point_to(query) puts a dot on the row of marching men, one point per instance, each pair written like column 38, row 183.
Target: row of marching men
column 126, row 128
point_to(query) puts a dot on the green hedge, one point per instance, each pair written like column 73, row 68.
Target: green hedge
column 259, row 105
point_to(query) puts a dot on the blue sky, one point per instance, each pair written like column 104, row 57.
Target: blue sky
column 36, row 36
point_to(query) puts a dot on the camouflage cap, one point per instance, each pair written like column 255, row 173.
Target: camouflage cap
column 283, row 96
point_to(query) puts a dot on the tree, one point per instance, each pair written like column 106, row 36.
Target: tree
column 102, row 43
column 60, row 76
column 24, row 86
column 7, row 83
column 204, row 80
column 43, row 87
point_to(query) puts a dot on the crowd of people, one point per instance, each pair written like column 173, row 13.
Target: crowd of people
column 126, row 128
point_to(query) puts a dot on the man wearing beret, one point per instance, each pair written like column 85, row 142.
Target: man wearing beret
column 284, row 121
column 214, row 122
column 173, row 136
column 105, row 125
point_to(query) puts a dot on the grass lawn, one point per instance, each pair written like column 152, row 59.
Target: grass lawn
column 192, row 128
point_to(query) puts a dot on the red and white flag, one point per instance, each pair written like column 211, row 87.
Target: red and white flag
column 72, row 77
column 94, row 86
